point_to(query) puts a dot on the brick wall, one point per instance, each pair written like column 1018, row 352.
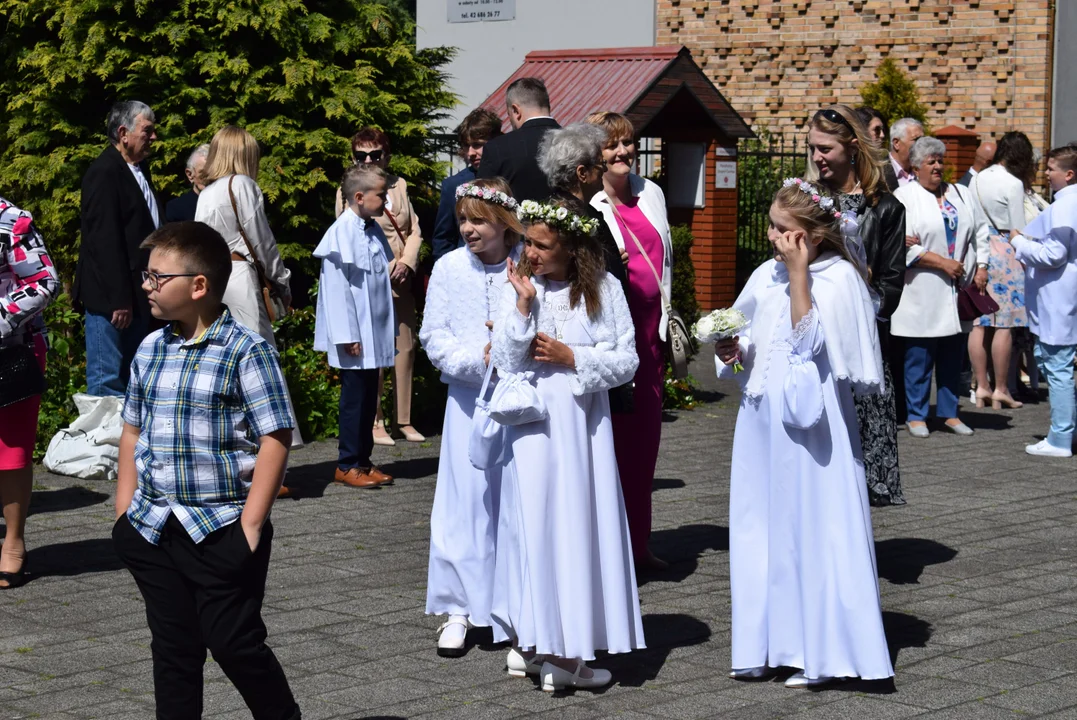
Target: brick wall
column 983, row 65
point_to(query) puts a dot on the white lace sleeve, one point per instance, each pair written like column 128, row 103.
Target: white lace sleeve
column 802, row 390
column 608, row 364
column 513, row 333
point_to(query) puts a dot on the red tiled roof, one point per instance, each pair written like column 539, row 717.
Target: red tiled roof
column 619, row 79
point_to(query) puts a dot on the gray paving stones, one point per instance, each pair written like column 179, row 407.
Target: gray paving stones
column 978, row 583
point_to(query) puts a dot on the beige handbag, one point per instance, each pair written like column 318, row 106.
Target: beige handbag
column 679, row 343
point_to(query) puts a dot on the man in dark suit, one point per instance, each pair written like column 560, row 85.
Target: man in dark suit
column 183, row 208
column 477, row 129
column 984, row 155
column 119, row 209
column 514, row 156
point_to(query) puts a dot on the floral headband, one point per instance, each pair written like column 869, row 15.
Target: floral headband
column 488, row 194
column 557, row 217
column 823, row 201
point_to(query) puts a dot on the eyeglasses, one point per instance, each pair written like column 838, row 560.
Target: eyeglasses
column 156, row 280
column 835, row 117
column 360, row 157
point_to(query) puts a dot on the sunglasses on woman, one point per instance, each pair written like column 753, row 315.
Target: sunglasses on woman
column 360, row 157
column 835, row 117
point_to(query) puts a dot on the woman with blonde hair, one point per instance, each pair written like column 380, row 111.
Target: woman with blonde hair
column 232, row 204
column 845, row 160
column 634, row 209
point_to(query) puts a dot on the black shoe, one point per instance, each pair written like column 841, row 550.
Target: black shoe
column 13, row 579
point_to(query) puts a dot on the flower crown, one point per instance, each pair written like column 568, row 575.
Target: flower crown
column 824, row 201
column 557, row 217
column 488, row 194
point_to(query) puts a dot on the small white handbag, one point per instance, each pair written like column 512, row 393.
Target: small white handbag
column 515, row 401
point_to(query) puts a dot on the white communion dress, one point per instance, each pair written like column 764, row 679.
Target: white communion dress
column 462, row 296
column 803, row 576
column 566, row 583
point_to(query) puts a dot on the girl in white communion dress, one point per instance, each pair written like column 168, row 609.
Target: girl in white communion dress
column 463, row 299
column 566, row 584
column 803, row 578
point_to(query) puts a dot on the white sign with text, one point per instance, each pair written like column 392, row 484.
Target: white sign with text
column 465, row 11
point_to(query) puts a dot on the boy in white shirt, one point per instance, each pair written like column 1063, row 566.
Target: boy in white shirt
column 1048, row 250
column 355, row 324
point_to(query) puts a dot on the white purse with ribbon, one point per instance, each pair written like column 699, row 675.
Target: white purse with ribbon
column 514, row 401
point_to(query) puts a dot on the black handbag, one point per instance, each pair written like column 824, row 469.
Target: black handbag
column 20, row 375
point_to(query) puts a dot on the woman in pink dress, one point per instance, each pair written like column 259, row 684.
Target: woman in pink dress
column 635, row 211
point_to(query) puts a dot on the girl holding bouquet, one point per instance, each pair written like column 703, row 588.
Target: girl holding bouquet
column 565, row 586
column 462, row 301
column 802, row 559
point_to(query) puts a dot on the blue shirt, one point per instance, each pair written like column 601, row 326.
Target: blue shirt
column 446, row 230
column 201, row 406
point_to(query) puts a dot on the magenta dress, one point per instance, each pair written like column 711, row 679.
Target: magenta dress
column 636, row 435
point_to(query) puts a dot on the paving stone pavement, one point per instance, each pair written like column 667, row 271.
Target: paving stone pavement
column 978, row 580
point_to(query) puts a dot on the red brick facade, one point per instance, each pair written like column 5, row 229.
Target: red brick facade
column 982, row 65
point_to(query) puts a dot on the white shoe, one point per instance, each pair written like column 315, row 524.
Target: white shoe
column 453, row 635
column 519, row 666
column 959, row 429
column 799, row 681
column 555, row 678
column 1046, row 449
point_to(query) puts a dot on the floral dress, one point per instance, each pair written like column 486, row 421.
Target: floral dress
column 877, row 416
column 1006, row 285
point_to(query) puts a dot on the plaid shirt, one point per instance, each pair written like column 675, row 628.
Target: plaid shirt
column 201, row 406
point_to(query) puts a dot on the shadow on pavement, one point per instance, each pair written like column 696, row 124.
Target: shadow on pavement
column 664, row 633
column 681, row 548
column 69, row 498
column 72, row 558
column 980, row 420
column 902, row 560
column 667, row 484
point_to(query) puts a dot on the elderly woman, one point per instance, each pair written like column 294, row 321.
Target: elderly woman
column 401, row 226
column 1000, row 191
column 947, row 237
column 28, row 282
column 635, row 210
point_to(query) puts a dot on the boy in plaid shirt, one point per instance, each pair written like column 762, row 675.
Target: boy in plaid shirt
column 207, row 427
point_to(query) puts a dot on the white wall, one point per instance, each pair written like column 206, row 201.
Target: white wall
column 488, row 52
column 1064, row 97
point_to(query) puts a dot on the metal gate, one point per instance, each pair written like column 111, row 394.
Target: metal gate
column 762, row 164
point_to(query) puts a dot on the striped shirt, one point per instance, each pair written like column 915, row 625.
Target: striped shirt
column 201, row 406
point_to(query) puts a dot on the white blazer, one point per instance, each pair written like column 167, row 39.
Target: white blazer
column 652, row 203
column 928, row 306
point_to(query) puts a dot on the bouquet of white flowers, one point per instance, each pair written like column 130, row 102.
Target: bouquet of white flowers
column 720, row 325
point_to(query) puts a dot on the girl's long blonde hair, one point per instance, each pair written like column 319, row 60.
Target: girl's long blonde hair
column 868, row 160
column 492, row 212
column 233, row 151
column 816, row 221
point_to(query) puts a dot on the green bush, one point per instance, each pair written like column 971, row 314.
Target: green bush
column 683, row 295
column 65, row 371
column 894, row 94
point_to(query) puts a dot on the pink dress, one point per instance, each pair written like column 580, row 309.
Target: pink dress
column 636, row 435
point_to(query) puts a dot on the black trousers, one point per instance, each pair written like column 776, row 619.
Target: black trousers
column 893, row 351
column 359, row 398
column 206, row 596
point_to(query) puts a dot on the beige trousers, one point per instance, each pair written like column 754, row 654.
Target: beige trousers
column 404, row 365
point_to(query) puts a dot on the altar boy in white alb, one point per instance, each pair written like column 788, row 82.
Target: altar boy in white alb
column 1048, row 250
column 354, row 324
column 801, row 555
column 461, row 303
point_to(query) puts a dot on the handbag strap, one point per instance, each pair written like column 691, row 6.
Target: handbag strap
column 250, row 248
column 486, row 381
column 396, row 226
column 643, row 252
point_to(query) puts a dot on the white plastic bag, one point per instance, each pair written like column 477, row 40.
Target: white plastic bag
column 90, row 447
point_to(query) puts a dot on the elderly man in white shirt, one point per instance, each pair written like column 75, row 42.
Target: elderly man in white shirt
column 1048, row 250
column 903, row 135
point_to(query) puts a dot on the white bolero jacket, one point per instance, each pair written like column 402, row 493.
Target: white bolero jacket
column 454, row 332
column 928, row 306
column 652, row 203
column 610, row 362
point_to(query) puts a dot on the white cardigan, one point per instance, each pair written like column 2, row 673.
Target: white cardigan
column 928, row 306
column 1001, row 197
column 652, row 203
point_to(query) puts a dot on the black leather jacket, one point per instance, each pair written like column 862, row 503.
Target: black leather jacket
column 882, row 230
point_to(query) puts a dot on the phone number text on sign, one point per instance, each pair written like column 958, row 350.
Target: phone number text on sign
column 462, row 11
